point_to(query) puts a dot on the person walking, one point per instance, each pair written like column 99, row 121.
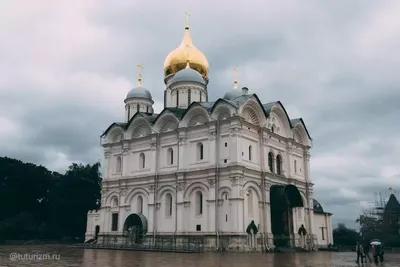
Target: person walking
column 367, row 248
column 302, row 232
column 360, row 252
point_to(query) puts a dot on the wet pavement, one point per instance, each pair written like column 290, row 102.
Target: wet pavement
column 60, row 255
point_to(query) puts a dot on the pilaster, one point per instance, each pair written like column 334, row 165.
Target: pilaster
column 237, row 201
column 181, row 186
column 107, row 156
column 151, row 225
column 181, row 147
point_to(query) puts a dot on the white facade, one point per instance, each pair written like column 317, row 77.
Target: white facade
column 208, row 168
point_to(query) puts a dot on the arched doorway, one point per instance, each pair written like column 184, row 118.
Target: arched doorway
column 135, row 227
column 96, row 232
column 283, row 198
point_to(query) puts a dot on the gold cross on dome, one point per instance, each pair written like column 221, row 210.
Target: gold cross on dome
column 140, row 66
column 235, row 73
column 187, row 18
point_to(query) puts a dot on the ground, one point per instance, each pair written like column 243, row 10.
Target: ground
column 69, row 256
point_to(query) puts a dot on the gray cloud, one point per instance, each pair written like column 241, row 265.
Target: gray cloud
column 66, row 68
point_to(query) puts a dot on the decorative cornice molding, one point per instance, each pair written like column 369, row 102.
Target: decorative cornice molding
column 181, row 186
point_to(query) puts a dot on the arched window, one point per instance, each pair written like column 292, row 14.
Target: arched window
column 279, row 164
column 273, row 129
column 250, row 203
column 114, row 202
column 225, row 196
column 168, row 205
column 140, row 204
column 295, row 166
column 199, row 203
column 200, row 151
column 170, row 156
column 250, row 152
column 119, row 164
column 271, row 162
column 142, row 161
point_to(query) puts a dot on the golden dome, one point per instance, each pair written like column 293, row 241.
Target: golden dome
column 186, row 51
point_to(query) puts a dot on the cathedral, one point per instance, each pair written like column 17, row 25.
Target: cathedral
column 234, row 171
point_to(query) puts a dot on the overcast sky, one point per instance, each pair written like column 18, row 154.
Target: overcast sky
column 66, row 66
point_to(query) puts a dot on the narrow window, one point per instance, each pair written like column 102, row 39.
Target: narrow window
column 147, row 109
column 189, row 96
column 137, row 108
column 226, row 196
column 119, row 164
column 271, row 162
column 177, row 98
column 273, row 129
column 140, row 204
column 200, row 151
column 279, row 164
column 201, row 96
column 250, row 203
column 114, row 222
column 323, row 233
column 295, row 166
column 226, row 144
column 250, row 152
column 142, row 161
column 170, row 157
column 168, row 205
column 199, row 203
column 115, row 202
column 226, row 217
column 198, row 227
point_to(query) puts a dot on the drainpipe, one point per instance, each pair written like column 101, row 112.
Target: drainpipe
column 261, row 135
column 155, row 189
column 176, row 187
column 217, row 145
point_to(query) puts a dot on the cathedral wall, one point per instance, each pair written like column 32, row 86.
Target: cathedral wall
column 323, row 229
column 166, row 212
column 225, row 147
column 249, row 148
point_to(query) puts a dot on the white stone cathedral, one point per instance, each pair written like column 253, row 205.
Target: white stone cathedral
column 235, row 170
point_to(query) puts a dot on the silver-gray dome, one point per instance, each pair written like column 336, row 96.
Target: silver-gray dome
column 187, row 75
column 233, row 94
column 139, row 92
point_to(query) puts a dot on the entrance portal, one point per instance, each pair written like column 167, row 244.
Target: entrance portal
column 96, row 232
column 283, row 198
column 135, row 227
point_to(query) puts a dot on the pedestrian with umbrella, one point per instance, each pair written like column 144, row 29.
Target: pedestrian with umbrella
column 378, row 251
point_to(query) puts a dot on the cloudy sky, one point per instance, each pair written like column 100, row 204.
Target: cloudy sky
column 66, row 66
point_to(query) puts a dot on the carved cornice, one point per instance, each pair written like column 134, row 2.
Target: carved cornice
column 181, row 186
column 211, row 136
column 153, row 146
column 236, row 131
column 123, row 191
column 211, row 182
column 236, row 180
column 151, row 188
column 307, row 156
column 107, row 154
column 182, row 141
